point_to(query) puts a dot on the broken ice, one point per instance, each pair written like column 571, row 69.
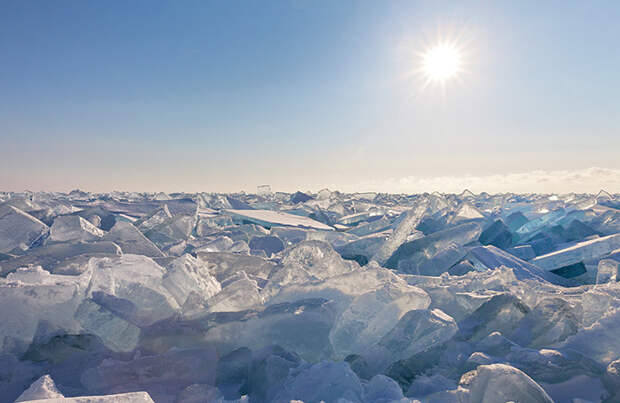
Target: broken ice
column 327, row 296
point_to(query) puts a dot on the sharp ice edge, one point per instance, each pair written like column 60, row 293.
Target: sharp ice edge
column 273, row 297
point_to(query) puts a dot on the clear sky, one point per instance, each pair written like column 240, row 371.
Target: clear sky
column 305, row 94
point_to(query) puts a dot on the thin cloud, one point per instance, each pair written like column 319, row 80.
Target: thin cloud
column 589, row 180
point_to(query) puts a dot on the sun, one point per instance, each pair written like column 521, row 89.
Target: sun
column 441, row 62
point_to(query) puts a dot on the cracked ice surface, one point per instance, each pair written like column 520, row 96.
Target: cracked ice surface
column 275, row 297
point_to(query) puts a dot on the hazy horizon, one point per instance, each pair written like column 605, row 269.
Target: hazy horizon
column 592, row 181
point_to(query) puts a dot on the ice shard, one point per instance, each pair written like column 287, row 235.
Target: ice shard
column 578, row 253
column 74, row 228
column 19, row 230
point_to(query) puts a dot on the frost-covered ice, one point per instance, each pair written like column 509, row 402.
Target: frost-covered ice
column 277, row 297
column 42, row 388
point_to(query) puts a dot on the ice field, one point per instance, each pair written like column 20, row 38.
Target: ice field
column 274, row 297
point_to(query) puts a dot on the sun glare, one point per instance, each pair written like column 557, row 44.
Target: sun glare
column 441, row 62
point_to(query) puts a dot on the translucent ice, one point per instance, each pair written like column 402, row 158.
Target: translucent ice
column 499, row 383
column 31, row 296
column 371, row 315
column 131, row 240
column 132, row 286
column 224, row 265
column 324, row 381
column 237, row 294
column 417, row 330
column 578, row 252
column 153, row 219
column 19, row 230
column 187, row 274
column 189, row 302
column 268, row 218
column 411, row 254
column 116, row 333
column 74, row 228
column 71, row 258
column 411, row 219
column 268, row 244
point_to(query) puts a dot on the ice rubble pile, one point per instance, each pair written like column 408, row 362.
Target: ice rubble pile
column 273, row 297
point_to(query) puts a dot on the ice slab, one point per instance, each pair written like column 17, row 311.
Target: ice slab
column 343, row 288
column 223, row 265
column 61, row 256
column 599, row 341
column 426, row 385
column 269, row 244
column 586, row 250
column 300, row 197
column 131, row 240
column 418, row 330
column 19, row 230
column 187, row 274
column 371, row 316
column 132, row 286
column 362, row 250
column 607, row 271
column 531, row 228
column 173, row 230
column 411, row 254
column 405, row 228
column 467, row 212
column 199, row 393
column 153, row 219
column 219, row 244
column 42, row 388
column 524, row 252
column 73, row 228
column 516, row 220
column 163, row 376
column 503, row 313
column 263, row 190
column 491, row 257
column 365, row 216
column 302, row 326
column 611, row 379
column 116, row 333
column 372, row 227
column 131, row 397
column 141, row 208
column 324, row 381
column 269, row 218
column 317, row 258
column 238, row 294
column 499, row 383
column 382, row 389
column 32, row 296
column 497, row 234
column 260, row 373
column 549, row 323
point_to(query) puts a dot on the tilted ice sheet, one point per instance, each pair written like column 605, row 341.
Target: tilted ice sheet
column 19, row 230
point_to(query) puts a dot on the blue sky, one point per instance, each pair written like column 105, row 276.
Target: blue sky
column 227, row 95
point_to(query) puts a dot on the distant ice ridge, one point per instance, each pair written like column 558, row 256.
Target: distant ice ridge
column 327, row 296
